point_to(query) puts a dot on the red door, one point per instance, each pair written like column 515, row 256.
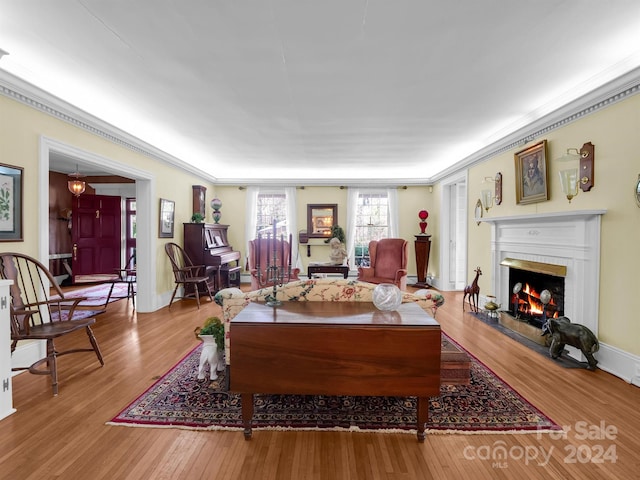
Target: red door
column 96, row 235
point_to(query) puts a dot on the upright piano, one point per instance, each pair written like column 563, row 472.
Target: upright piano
column 207, row 244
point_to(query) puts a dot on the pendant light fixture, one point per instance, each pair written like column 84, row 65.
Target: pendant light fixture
column 75, row 185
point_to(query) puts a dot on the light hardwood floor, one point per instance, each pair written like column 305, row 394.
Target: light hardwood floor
column 65, row 437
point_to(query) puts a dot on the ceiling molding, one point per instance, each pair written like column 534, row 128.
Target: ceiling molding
column 599, row 98
column 36, row 98
column 612, row 92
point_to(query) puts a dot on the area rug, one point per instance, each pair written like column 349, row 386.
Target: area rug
column 97, row 294
column 180, row 400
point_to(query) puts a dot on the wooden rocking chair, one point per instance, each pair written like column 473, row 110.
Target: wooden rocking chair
column 36, row 316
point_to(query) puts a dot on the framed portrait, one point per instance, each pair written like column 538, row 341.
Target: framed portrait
column 10, row 203
column 532, row 174
column 167, row 211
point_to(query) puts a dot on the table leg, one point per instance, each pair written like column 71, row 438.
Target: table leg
column 247, row 413
column 423, row 417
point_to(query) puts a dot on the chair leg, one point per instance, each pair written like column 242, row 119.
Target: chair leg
column 131, row 293
column 94, row 344
column 175, row 290
column 53, row 366
column 196, row 289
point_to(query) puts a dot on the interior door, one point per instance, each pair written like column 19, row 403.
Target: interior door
column 96, row 235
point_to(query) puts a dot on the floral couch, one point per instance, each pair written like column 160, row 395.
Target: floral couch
column 233, row 300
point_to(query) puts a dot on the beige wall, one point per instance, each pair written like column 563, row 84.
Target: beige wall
column 614, row 132
column 20, row 130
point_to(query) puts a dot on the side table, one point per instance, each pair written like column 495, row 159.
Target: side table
column 328, row 268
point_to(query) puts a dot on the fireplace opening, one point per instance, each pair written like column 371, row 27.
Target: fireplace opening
column 527, row 282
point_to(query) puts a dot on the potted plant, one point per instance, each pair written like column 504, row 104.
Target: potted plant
column 212, row 336
column 197, row 217
column 213, row 328
column 337, row 232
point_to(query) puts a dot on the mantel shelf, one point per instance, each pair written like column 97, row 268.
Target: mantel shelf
column 542, row 216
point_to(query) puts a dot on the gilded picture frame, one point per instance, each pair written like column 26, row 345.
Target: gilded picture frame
column 532, row 174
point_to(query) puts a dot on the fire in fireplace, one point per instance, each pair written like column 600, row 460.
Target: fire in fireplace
column 536, row 290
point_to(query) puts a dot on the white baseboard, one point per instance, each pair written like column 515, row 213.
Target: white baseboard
column 27, row 353
column 619, row 363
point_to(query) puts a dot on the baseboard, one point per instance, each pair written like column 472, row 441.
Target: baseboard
column 619, row 363
column 612, row 360
column 27, row 353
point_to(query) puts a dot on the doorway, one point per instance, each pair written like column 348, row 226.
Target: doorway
column 453, row 228
column 144, row 186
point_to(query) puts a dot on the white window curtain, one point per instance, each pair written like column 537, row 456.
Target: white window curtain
column 292, row 224
column 292, row 215
column 352, row 207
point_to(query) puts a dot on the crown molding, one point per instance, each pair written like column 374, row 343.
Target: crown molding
column 610, row 93
column 28, row 94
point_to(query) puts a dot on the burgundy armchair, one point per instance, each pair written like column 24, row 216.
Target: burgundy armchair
column 388, row 258
column 254, row 257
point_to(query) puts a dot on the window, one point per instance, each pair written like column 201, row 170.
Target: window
column 270, row 207
column 371, row 223
column 264, row 205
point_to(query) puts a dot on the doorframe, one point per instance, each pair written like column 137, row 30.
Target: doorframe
column 446, row 283
column 145, row 189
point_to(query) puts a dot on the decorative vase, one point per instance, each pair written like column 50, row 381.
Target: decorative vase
column 387, row 297
column 216, row 204
column 423, row 215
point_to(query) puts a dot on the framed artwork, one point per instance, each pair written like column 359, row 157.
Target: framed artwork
column 10, row 203
column 321, row 219
column 167, row 211
column 531, row 174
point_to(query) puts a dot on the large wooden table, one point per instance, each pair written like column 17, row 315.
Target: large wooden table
column 335, row 348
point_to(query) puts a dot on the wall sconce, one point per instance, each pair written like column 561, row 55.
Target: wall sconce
column 581, row 176
column 487, row 198
column 76, row 186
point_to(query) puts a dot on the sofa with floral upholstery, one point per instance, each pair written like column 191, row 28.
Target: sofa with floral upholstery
column 233, row 300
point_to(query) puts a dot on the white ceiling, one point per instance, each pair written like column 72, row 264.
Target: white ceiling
column 326, row 89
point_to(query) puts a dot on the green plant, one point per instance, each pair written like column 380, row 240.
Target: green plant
column 337, row 232
column 213, row 326
column 197, row 217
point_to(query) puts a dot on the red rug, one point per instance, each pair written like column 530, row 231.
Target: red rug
column 180, row 400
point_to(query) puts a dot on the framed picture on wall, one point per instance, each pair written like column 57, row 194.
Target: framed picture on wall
column 167, row 211
column 531, row 174
column 10, row 203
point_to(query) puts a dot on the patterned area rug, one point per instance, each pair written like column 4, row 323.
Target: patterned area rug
column 180, row 400
column 97, row 294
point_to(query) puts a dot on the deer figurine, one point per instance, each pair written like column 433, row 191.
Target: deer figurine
column 473, row 291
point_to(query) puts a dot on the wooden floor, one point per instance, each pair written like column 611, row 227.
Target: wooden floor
column 65, row 437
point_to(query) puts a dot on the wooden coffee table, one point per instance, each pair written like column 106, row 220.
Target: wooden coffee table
column 335, row 348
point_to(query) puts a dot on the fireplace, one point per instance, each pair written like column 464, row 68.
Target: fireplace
column 565, row 245
column 527, row 282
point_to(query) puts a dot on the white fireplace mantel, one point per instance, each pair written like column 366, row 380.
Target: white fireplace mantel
column 570, row 239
